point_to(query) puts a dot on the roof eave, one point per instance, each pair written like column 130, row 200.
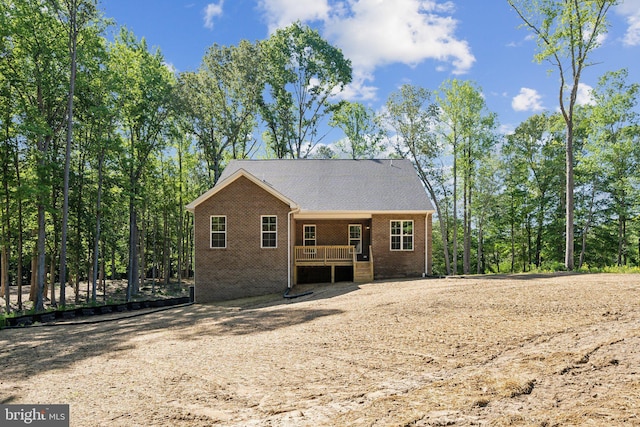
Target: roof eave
column 191, row 207
column 357, row 214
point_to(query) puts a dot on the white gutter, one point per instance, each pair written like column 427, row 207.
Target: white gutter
column 289, row 216
column 426, row 245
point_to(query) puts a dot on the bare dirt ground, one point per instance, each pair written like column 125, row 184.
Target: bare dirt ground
column 526, row 350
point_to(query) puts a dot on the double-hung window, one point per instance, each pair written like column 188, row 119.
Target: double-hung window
column 402, row 235
column 219, row 232
column 309, row 235
column 269, row 231
column 355, row 237
column 309, row 239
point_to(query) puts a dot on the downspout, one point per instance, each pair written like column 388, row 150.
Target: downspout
column 289, row 286
column 426, row 245
column 289, row 216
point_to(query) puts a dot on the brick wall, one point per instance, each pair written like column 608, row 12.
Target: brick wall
column 397, row 264
column 331, row 232
column 243, row 268
column 387, row 263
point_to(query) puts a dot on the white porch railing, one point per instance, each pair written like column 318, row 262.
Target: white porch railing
column 324, row 255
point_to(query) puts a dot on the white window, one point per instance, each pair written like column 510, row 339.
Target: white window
column 355, row 237
column 309, row 238
column 219, row 232
column 269, row 231
column 309, row 235
column 401, row 235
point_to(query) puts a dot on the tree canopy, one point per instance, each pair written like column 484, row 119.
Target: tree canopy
column 102, row 144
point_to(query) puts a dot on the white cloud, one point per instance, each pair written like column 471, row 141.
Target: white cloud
column 211, row 11
column 527, row 100
column 280, row 13
column 584, row 95
column 169, row 66
column 630, row 9
column 374, row 33
column 360, row 88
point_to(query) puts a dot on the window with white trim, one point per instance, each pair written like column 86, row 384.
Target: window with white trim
column 355, row 237
column 218, row 232
column 269, row 234
column 309, row 235
column 309, row 238
column 402, row 235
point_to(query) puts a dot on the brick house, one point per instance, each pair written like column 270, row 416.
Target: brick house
column 268, row 225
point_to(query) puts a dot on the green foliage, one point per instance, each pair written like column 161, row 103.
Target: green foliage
column 220, row 103
column 302, row 71
column 566, row 32
column 362, row 128
column 145, row 143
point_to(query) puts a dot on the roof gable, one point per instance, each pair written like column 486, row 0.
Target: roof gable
column 333, row 185
column 223, row 182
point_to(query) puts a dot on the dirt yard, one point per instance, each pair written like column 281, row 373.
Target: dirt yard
column 528, row 350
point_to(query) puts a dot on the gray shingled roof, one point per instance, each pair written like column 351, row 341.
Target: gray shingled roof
column 341, row 185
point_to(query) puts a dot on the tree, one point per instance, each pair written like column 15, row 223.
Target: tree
column 361, row 127
column 7, row 134
column 567, row 32
column 302, row 72
column 75, row 14
column 535, row 146
column 144, row 90
column 411, row 115
column 612, row 142
column 220, row 102
column 468, row 129
column 34, row 66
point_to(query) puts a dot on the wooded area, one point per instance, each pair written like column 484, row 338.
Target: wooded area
column 102, row 145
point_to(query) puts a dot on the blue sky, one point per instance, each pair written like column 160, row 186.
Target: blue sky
column 392, row 42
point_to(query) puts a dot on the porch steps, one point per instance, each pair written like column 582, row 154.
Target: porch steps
column 362, row 272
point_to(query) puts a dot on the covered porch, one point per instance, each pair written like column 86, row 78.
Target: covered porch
column 333, row 256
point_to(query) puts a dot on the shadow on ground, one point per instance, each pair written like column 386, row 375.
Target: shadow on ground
column 27, row 351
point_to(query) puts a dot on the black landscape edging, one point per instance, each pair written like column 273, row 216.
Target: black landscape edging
column 50, row 316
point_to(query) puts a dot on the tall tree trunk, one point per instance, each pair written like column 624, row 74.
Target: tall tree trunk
column 455, row 210
column 6, row 236
column 481, row 264
column 113, row 261
column 539, row 230
column 103, row 268
column 166, row 261
column 587, row 226
column 466, row 255
column 154, row 268
column 441, row 219
column 132, row 271
column 181, row 215
column 96, row 241
column 568, row 260
column 52, row 274
column 16, row 164
column 78, row 236
column 142, row 241
column 39, row 297
column 54, row 249
column 4, row 278
column 513, row 241
column 73, row 36
column 621, row 238
column 33, row 283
